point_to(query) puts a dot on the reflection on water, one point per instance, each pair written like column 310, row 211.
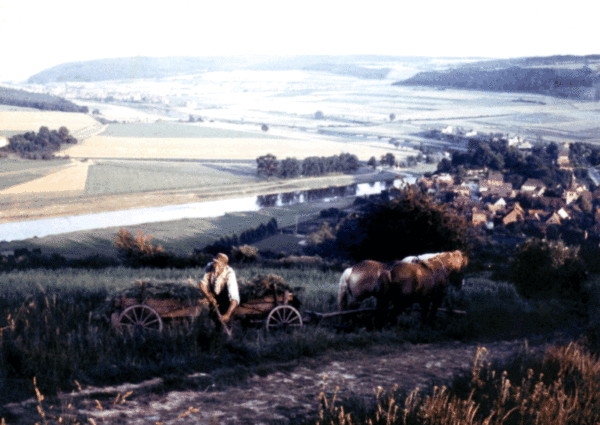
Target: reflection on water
column 327, row 194
column 52, row 226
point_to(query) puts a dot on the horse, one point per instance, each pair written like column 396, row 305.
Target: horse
column 422, row 280
column 358, row 283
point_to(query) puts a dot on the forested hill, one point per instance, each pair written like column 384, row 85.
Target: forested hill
column 360, row 66
column 43, row 101
column 577, row 80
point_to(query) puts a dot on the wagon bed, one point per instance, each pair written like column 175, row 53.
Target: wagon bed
column 146, row 313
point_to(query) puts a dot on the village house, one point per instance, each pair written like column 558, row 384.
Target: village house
column 478, row 216
column 497, row 206
column 534, row 187
column 563, row 157
column 517, row 214
column 3, row 141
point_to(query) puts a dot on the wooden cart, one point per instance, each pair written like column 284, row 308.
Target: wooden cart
column 275, row 311
column 145, row 313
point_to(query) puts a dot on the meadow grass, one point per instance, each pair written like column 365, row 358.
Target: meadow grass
column 52, row 328
column 118, row 177
column 171, row 130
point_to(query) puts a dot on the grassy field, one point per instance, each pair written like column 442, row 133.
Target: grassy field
column 171, row 129
column 17, row 171
column 134, row 176
column 71, row 178
column 24, row 120
column 215, row 148
column 50, row 329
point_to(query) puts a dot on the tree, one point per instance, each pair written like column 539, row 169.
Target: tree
column 313, row 166
column 410, row 224
column 267, row 165
column 388, row 159
column 372, row 162
column 319, row 115
column 392, row 117
column 348, row 163
column 289, row 168
column 264, row 127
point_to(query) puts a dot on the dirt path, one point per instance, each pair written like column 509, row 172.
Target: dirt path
column 279, row 397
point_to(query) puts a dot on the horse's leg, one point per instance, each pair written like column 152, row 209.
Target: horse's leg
column 382, row 312
column 436, row 302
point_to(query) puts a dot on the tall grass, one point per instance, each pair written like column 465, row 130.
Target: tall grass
column 48, row 328
column 561, row 387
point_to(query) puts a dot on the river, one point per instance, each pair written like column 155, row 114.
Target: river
column 52, row 226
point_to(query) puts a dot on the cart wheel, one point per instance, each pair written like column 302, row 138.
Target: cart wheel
column 140, row 318
column 284, row 317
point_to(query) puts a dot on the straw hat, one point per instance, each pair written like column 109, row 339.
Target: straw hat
column 222, row 258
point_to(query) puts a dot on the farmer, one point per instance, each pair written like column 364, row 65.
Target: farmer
column 220, row 288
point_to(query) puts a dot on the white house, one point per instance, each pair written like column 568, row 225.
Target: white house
column 3, row 141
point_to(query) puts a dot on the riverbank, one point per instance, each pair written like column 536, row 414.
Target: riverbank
column 181, row 236
column 25, row 208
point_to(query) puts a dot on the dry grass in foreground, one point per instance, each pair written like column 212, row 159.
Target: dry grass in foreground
column 562, row 387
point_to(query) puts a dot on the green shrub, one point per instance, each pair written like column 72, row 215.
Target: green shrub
column 546, row 269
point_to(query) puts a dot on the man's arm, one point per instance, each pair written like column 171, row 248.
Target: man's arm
column 204, row 287
column 234, row 296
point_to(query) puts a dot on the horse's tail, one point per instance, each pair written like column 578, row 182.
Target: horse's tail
column 343, row 290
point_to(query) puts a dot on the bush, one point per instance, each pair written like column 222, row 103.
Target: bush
column 546, row 269
column 244, row 254
column 138, row 250
column 410, row 224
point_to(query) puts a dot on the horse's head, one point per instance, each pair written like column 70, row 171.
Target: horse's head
column 456, row 262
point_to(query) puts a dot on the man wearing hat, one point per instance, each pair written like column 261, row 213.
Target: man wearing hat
column 220, row 288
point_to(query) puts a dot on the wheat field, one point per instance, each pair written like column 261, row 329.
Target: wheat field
column 216, row 148
column 70, row 178
column 32, row 120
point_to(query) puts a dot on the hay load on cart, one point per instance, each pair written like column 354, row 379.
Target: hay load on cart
column 146, row 304
column 268, row 300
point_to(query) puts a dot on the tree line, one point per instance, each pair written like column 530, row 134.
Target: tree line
column 514, row 79
column 42, row 145
column 269, row 166
column 41, row 101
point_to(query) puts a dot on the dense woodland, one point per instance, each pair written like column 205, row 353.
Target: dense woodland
column 42, row 101
column 550, row 81
column 42, row 145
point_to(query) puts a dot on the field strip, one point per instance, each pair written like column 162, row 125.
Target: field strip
column 71, row 178
column 32, row 120
column 216, row 148
column 90, row 131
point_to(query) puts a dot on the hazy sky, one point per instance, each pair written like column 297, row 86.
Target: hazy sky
column 35, row 35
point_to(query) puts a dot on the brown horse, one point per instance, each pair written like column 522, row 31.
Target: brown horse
column 424, row 281
column 358, row 283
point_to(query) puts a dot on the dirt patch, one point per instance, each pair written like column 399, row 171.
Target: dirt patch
column 278, row 397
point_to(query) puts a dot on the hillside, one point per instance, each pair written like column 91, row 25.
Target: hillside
column 360, row 66
column 561, row 76
column 42, row 101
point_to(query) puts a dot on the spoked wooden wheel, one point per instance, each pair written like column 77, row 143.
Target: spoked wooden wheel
column 284, row 317
column 139, row 319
